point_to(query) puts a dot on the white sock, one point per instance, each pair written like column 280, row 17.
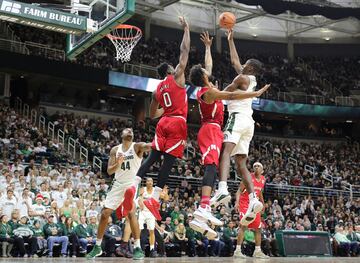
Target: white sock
column 252, row 196
column 152, row 247
column 257, row 248
column 137, row 243
column 223, row 185
column 157, row 192
column 98, row 242
column 238, row 247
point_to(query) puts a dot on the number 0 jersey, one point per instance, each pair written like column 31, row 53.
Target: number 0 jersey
column 172, row 98
column 127, row 171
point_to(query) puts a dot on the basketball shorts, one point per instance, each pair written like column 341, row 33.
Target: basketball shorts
column 146, row 217
column 170, row 136
column 210, row 139
column 256, row 224
column 116, row 194
column 239, row 130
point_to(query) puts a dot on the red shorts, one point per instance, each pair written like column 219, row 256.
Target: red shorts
column 170, row 136
column 256, row 224
column 210, row 139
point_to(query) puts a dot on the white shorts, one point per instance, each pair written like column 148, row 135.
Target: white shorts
column 146, row 217
column 239, row 130
column 116, row 195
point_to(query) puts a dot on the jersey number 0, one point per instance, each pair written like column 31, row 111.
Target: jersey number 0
column 167, row 99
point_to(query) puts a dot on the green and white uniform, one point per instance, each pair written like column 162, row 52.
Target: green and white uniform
column 239, row 128
column 125, row 176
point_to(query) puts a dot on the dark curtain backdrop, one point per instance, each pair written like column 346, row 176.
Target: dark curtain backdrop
column 276, row 7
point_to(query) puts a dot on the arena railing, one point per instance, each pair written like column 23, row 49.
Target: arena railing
column 73, row 147
column 266, row 148
column 30, row 48
column 45, row 51
column 328, row 177
column 140, row 70
column 13, row 46
column 345, row 101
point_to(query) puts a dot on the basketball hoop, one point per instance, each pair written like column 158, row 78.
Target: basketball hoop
column 124, row 38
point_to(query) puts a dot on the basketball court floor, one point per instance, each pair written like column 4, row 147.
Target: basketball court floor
column 186, row 259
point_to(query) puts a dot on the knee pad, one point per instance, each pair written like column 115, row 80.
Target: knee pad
column 209, row 175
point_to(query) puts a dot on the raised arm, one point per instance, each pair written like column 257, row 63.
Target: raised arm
column 234, row 57
column 142, row 147
column 207, row 40
column 233, row 91
column 240, row 82
column 155, row 111
column 114, row 161
column 184, row 54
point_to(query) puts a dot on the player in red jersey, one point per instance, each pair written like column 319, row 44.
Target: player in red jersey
column 169, row 102
column 210, row 136
column 242, row 200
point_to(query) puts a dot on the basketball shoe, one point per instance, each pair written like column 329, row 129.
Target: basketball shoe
column 222, row 196
column 255, row 206
column 205, row 215
column 203, row 228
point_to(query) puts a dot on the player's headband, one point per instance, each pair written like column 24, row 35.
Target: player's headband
column 259, row 164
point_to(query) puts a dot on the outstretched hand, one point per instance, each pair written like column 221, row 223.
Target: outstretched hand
column 206, row 39
column 262, row 90
column 183, row 22
column 230, row 35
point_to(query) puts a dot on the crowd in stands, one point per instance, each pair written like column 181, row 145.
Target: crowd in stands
column 49, row 209
column 283, row 74
column 338, row 160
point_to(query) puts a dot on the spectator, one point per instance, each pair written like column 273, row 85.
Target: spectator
column 38, row 209
column 53, row 233
column 5, row 236
column 24, row 234
column 85, row 234
column 8, row 202
column 345, row 245
column 180, row 237
column 113, row 236
column 39, row 234
column 70, row 233
column 229, row 238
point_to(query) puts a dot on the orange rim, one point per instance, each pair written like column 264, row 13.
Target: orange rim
column 123, row 26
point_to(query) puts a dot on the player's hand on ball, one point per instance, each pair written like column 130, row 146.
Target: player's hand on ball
column 206, row 39
column 230, row 35
column 183, row 22
column 262, row 90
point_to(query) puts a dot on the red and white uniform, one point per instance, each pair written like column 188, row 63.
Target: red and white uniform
column 210, row 136
column 171, row 130
column 244, row 200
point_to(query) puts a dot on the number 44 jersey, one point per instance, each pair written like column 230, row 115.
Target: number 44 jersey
column 128, row 169
column 171, row 130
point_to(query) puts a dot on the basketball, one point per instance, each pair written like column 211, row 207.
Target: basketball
column 227, row 20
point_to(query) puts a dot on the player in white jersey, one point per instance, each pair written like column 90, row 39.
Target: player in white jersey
column 238, row 133
column 125, row 160
column 145, row 216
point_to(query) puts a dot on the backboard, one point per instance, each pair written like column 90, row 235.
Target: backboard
column 106, row 13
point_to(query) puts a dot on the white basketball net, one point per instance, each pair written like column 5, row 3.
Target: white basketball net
column 124, row 38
